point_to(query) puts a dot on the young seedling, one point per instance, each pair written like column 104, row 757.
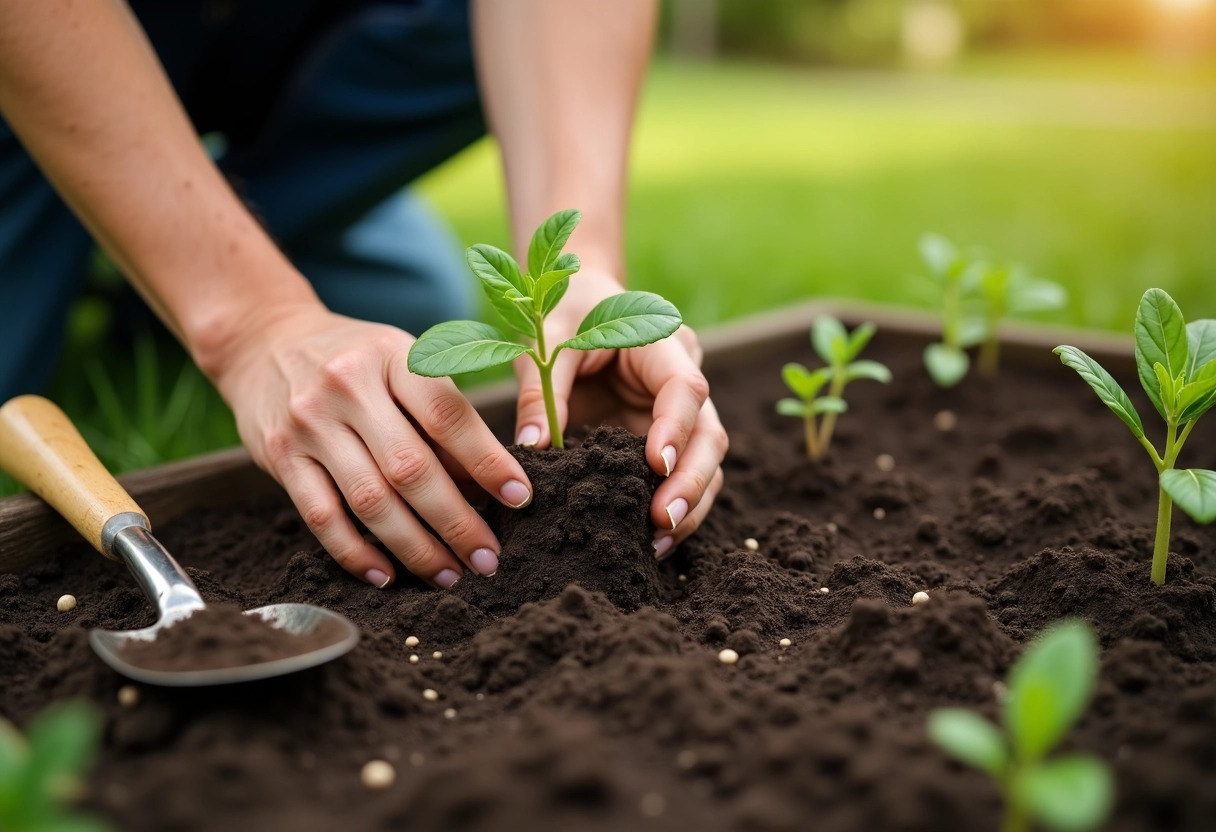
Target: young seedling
column 524, row 300
column 1048, row 689
column 837, row 348
column 976, row 295
column 1176, row 362
column 41, row 774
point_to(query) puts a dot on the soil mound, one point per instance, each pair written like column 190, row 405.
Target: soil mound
column 588, row 523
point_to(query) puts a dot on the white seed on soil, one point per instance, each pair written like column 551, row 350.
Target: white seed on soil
column 430, row 695
column 480, row 697
column 413, row 658
column 832, row 528
column 824, row 590
column 128, row 696
column 752, row 544
column 449, row 713
column 411, row 641
column 438, row 654
column 686, row 759
column 880, row 513
column 681, row 578
column 998, row 690
column 785, row 642
column 920, row 598
column 885, row 462
column 652, row 805
column 66, row 603
column 728, row 656
column 945, row 421
column 378, row 774
column 417, row 759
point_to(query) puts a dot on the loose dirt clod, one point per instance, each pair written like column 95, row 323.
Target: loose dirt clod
column 652, row 805
column 728, row 656
column 378, row 774
column 920, row 598
column 752, row 544
column 128, row 696
column 66, row 603
column 945, row 420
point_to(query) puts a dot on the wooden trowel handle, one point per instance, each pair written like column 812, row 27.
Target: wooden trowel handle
column 41, row 449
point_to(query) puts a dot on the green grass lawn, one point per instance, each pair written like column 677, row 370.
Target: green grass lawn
column 757, row 186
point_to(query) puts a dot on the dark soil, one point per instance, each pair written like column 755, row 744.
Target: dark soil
column 223, row 636
column 579, row 688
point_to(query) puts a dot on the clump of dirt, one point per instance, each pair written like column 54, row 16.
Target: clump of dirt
column 588, row 523
column 221, row 636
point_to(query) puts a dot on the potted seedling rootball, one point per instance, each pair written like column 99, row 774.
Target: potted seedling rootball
column 588, row 519
column 1176, row 362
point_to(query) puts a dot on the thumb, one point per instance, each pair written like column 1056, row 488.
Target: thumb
column 531, row 419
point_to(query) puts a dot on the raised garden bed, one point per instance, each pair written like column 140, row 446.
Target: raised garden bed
column 610, row 710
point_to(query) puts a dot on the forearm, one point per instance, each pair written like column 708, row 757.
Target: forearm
column 560, row 81
column 82, row 88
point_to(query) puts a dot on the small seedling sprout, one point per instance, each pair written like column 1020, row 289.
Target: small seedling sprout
column 1176, row 362
column 837, row 348
column 41, row 773
column 524, row 300
column 976, row 295
column 1048, row 689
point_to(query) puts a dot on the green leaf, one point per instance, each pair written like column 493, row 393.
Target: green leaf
column 1161, row 338
column 630, row 319
column 1165, row 389
column 970, row 739
column 803, row 382
column 871, row 370
column 1199, row 395
column 1104, row 385
column 828, row 404
column 978, row 272
column 1201, row 346
column 939, row 254
column 1193, row 490
column 1049, row 687
column 858, row 339
column 503, row 284
column 792, row 407
column 1069, row 794
column 72, row 824
column 946, row 365
column 461, row 347
column 547, row 242
column 972, row 330
column 829, row 339
column 567, row 264
column 1035, row 294
column 62, row 741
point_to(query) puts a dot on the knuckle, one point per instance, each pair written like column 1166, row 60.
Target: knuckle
column 485, row 467
column 461, row 527
column 342, row 372
column 407, row 466
column 279, row 444
column 697, row 482
column 320, row 514
column 530, row 399
column 369, row 498
column 418, row 556
column 304, row 409
column 697, row 384
column 446, row 414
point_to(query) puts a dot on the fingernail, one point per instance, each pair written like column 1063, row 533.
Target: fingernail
column 516, row 494
column 669, row 458
column 528, row 435
column 447, row 578
column 485, row 562
column 377, row 578
column 677, row 510
column 662, row 545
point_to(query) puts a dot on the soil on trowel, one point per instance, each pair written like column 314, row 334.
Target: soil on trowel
column 221, row 635
column 580, row 687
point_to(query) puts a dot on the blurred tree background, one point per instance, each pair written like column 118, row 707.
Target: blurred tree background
column 791, row 149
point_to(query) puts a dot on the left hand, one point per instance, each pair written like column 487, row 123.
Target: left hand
column 657, row 390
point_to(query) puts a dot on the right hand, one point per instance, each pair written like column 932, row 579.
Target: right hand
column 326, row 405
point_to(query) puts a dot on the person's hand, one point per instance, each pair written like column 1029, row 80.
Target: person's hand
column 326, row 405
column 657, row 390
